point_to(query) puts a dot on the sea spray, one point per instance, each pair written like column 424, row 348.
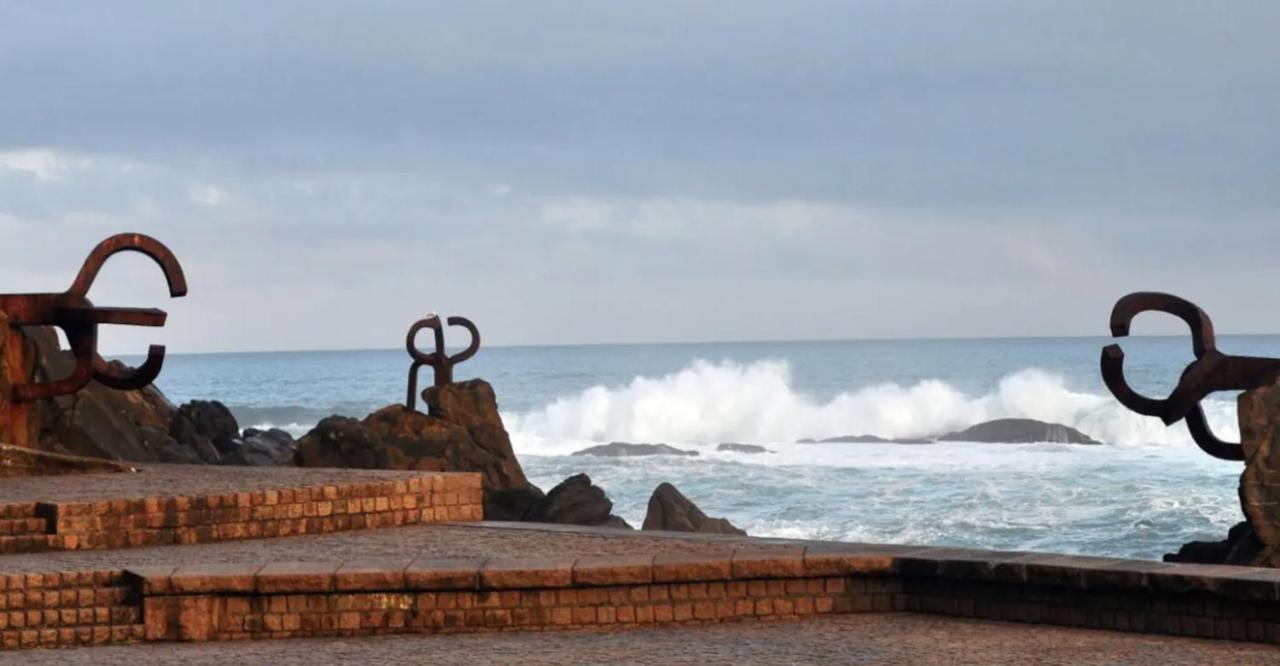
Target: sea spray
column 707, row 403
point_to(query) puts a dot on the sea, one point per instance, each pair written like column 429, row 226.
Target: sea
column 1144, row 492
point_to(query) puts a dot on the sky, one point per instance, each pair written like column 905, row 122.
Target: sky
column 610, row 172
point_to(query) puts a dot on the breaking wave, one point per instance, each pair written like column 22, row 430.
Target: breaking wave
column 707, row 403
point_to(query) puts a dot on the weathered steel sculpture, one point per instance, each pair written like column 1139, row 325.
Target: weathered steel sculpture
column 76, row 315
column 1210, row 372
column 439, row 360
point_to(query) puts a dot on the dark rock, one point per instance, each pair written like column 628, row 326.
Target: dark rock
column 273, row 448
column 864, row 439
column 210, row 420
column 625, row 450
column 1241, row 547
column 576, row 502
column 462, row 433
column 743, row 448
column 99, row 422
column 671, row 511
column 1020, row 431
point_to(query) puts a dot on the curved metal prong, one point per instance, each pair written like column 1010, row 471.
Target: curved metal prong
column 1113, row 375
column 410, row 343
column 1122, row 315
column 147, row 245
column 475, row 340
column 1198, row 425
column 130, row 379
column 84, row 347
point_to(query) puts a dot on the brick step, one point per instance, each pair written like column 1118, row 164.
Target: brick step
column 21, row 510
column 23, row 526
column 15, row 639
column 60, row 618
column 36, row 543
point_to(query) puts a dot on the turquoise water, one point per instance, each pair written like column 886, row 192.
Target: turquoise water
column 1144, row 493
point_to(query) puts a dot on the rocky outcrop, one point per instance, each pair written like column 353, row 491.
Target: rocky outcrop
column 743, row 448
column 864, row 439
column 671, row 511
column 271, row 448
column 204, row 423
column 1019, row 431
column 461, row 433
column 1241, row 547
column 626, row 450
column 576, row 501
column 1256, row 541
column 99, row 422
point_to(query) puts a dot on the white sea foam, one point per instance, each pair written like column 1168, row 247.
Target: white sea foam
column 707, row 403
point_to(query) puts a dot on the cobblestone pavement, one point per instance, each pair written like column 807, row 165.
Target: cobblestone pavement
column 877, row 639
column 172, row 480
column 388, row 543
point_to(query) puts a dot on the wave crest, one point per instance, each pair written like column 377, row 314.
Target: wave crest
column 707, row 403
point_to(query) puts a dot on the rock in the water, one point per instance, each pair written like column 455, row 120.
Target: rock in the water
column 462, row 433
column 626, row 450
column 210, row 420
column 99, row 422
column 576, row 502
column 273, row 448
column 671, row 511
column 743, row 448
column 1241, row 547
column 864, row 439
column 1020, row 431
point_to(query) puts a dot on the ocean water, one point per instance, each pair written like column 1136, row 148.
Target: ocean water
column 1145, row 492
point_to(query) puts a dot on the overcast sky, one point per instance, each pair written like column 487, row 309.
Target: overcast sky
column 580, row 172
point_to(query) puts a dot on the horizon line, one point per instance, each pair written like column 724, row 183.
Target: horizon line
column 976, row 338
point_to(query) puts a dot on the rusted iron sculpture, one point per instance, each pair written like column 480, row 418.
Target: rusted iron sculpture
column 76, row 315
column 439, row 360
column 1210, row 372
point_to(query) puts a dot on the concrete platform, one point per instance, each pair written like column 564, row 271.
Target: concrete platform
column 892, row 638
column 494, row 577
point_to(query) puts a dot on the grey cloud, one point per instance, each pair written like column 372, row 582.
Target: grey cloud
column 882, row 168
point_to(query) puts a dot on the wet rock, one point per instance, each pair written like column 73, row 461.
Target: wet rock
column 1241, row 547
column 864, row 439
column 462, row 432
column 1020, row 431
column 201, row 420
column 626, row 450
column 99, row 422
column 743, row 448
column 671, row 511
column 576, row 501
column 272, row 448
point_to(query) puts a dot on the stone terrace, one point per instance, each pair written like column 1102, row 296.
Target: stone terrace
column 325, row 578
column 175, row 504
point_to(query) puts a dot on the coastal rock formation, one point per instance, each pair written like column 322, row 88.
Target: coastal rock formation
column 864, row 439
column 743, row 448
column 626, row 450
column 576, row 501
column 671, row 511
column 99, row 422
column 1256, row 541
column 461, row 433
column 272, row 448
column 199, row 421
column 1019, row 431
column 1241, row 547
